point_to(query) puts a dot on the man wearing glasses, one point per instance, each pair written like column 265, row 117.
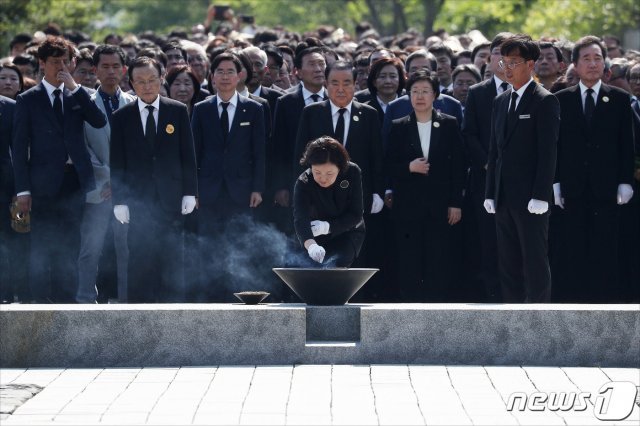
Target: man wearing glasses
column 153, row 183
column 520, row 171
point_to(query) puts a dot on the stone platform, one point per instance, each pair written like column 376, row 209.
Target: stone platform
column 95, row 336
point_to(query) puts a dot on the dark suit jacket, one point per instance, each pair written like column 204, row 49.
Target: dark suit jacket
column 6, row 130
column 285, row 128
column 593, row 158
column 41, row 146
column 444, row 184
column 271, row 95
column 522, row 160
column 239, row 164
column 363, row 142
column 401, row 107
column 476, row 125
column 141, row 173
column 363, row 96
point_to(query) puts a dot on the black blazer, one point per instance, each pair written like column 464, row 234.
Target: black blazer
column 271, row 95
column 141, row 173
column 285, row 127
column 7, row 106
column 239, row 164
column 363, row 143
column 476, row 124
column 42, row 146
column 444, row 184
column 522, row 158
column 594, row 158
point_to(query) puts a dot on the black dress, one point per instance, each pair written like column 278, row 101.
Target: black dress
column 341, row 205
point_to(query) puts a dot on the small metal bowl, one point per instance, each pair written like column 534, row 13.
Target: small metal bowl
column 252, row 297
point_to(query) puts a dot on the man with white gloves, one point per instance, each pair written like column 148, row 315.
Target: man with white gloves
column 593, row 178
column 522, row 156
column 154, row 184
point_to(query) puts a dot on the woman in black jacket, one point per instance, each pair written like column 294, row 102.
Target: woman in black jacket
column 327, row 204
column 425, row 162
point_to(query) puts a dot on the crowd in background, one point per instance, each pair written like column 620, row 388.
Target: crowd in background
column 282, row 74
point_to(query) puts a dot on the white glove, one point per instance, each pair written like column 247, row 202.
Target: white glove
column 121, row 213
column 319, row 227
column 377, row 204
column 557, row 196
column 490, row 206
column 188, row 204
column 537, row 206
column 625, row 192
column 316, row 252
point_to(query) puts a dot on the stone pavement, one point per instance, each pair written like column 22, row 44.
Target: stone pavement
column 310, row 394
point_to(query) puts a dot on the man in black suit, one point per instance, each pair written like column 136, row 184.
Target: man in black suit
column 594, row 176
column 259, row 61
column 53, row 171
column 476, row 129
column 153, row 181
column 310, row 67
column 354, row 124
column 229, row 135
column 7, row 192
column 522, row 160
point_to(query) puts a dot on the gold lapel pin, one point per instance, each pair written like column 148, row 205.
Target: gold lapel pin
column 170, row 129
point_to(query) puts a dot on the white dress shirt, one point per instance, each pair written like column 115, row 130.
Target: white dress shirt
column 144, row 112
column 231, row 109
column 50, row 88
column 306, row 94
column 583, row 92
column 347, row 116
column 498, row 82
column 424, row 130
column 520, row 92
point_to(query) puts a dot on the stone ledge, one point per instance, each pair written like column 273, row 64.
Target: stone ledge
column 233, row 334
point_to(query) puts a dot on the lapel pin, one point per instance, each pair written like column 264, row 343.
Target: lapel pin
column 436, row 124
column 355, row 118
column 605, row 99
column 344, row 184
column 244, row 110
column 170, row 129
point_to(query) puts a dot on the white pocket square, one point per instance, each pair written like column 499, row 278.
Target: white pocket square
column 245, row 123
column 524, row 116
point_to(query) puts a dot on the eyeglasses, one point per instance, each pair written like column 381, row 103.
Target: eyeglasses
column 223, row 72
column 147, row 82
column 418, row 93
column 502, row 64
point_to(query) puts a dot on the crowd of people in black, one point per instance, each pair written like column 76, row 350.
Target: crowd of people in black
column 182, row 168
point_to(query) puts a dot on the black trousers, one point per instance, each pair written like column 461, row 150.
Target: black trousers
column 55, row 242
column 423, row 245
column 156, row 254
column 523, row 262
column 590, row 261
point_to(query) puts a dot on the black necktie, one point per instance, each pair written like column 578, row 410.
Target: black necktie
column 504, row 86
column 150, row 135
column 224, row 120
column 340, row 125
column 589, row 105
column 511, row 116
column 315, row 97
column 57, row 106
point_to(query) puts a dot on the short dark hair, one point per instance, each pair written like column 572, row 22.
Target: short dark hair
column 523, row 45
column 376, row 68
column 179, row 69
column 226, row 56
column 155, row 53
column 297, row 60
column 174, row 45
column 144, row 61
column 584, row 42
column 273, row 52
column 470, row 68
column 549, row 45
column 324, row 150
column 479, row 47
column 85, row 56
column 27, row 59
column 443, row 49
column 499, row 39
column 424, row 75
column 14, row 68
column 20, row 38
column 109, row 49
column 340, row 66
column 420, row 53
column 55, row 47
